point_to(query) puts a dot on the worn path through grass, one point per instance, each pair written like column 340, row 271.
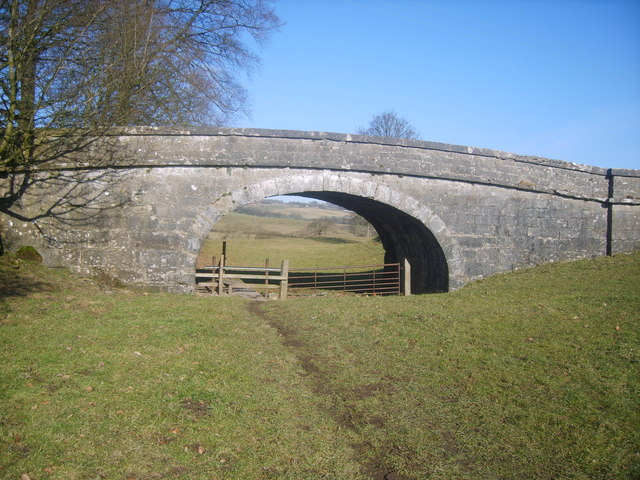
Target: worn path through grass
column 371, row 462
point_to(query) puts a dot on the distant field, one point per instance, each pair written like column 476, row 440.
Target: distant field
column 314, row 213
column 304, row 211
column 239, row 225
column 250, row 240
column 301, row 252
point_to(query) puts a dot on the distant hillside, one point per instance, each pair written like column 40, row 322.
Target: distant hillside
column 296, row 210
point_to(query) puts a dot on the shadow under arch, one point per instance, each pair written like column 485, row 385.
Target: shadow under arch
column 406, row 228
column 402, row 237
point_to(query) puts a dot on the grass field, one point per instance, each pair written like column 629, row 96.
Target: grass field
column 530, row 375
column 313, row 213
column 238, row 225
column 251, row 240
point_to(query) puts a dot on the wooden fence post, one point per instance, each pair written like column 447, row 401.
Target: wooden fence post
column 406, row 268
column 284, row 273
column 213, row 274
column 221, row 275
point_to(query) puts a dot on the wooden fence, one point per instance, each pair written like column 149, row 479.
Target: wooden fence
column 385, row 279
column 222, row 279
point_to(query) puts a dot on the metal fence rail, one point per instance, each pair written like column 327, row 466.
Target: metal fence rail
column 383, row 279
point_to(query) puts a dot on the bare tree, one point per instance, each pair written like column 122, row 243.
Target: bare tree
column 389, row 124
column 72, row 69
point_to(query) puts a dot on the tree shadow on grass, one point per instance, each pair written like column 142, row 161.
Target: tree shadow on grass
column 17, row 281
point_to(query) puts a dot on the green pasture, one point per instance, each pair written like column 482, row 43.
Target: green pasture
column 238, row 225
column 315, row 213
column 251, row 240
column 530, row 375
column 301, row 252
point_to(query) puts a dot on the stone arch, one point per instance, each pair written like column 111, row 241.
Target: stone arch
column 407, row 228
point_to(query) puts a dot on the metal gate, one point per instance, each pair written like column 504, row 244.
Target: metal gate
column 385, row 279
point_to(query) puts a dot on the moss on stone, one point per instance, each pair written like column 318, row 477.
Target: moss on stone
column 29, row 254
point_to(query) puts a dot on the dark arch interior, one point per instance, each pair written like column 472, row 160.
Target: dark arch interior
column 402, row 236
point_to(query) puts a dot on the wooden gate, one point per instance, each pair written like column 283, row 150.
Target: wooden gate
column 222, row 279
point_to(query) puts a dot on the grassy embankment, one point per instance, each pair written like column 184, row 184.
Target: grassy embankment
column 531, row 375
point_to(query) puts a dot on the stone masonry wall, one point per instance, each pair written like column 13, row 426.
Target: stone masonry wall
column 489, row 211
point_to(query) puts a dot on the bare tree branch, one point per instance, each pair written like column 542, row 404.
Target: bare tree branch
column 72, row 69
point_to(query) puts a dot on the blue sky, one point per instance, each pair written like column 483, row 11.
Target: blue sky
column 552, row 78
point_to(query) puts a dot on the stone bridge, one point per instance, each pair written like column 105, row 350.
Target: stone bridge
column 457, row 213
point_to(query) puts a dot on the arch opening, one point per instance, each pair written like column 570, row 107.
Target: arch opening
column 310, row 233
column 402, row 236
column 406, row 227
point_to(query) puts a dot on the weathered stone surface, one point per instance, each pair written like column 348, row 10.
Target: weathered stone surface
column 458, row 213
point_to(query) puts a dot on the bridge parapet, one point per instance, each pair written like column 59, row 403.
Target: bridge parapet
column 235, row 147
